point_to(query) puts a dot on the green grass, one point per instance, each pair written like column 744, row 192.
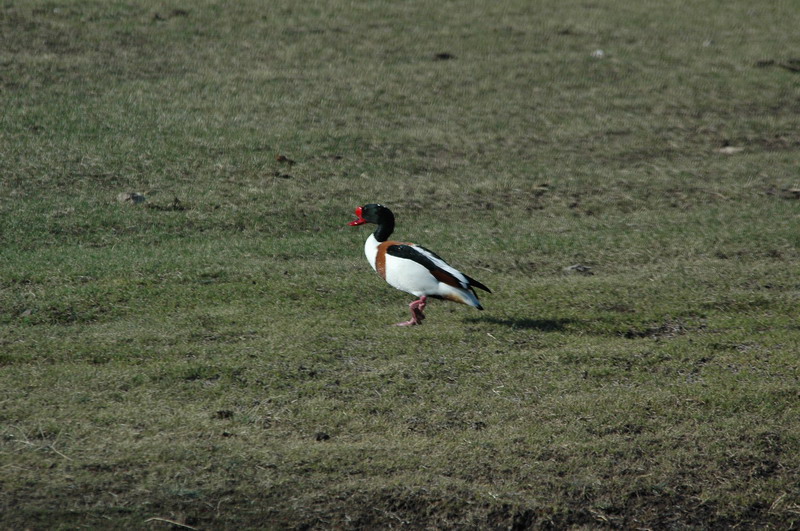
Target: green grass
column 228, row 360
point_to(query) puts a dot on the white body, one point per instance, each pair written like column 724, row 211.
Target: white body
column 414, row 278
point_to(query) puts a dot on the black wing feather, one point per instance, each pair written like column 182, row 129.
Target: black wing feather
column 410, row 253
column 474, row 283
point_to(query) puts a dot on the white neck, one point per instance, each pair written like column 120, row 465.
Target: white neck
column 371, row 250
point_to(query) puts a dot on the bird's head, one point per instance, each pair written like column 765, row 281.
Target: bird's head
column 372, row 213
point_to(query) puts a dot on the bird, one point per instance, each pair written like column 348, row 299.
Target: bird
column 412, row 268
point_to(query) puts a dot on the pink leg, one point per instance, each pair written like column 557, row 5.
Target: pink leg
column 416, row 312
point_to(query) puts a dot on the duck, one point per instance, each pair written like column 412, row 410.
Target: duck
column 412, row 268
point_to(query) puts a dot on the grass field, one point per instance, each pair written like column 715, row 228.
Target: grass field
column 221, row 355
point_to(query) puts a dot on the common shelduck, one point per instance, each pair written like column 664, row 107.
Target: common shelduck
column 412, row 268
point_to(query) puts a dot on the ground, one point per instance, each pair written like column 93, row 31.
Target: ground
column 218, row 353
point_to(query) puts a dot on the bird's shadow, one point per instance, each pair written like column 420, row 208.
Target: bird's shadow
column 543, row 325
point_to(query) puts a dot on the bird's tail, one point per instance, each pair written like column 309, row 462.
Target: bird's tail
column 475, row 284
